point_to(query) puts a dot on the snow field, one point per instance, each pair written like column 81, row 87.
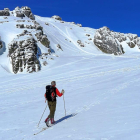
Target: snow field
column 101, row 91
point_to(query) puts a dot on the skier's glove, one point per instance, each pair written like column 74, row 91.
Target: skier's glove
column 62, row 91
column 45, row 100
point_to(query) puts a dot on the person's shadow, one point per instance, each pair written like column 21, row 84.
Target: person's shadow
column 64, row 118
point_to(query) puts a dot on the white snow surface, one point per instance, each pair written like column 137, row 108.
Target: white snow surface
column 101, row 91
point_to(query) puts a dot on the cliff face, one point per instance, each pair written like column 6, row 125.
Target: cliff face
column 5, row 12
column 110, row 42
column 24, row 54
column 24, row 11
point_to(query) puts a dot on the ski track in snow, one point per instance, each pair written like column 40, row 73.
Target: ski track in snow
column 86, row 107
column 59, row 40
column 66, row 36
column 72, row 40
column 77, row 76
column 73, row 78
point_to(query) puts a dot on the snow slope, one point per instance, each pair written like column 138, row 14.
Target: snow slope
column 101, row 91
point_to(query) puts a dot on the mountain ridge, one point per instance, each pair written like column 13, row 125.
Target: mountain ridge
column 27, row 58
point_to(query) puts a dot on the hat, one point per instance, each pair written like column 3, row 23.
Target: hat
column 53, row 83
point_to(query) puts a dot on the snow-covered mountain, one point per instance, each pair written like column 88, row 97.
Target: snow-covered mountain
column 31, row 41
column 98, row 68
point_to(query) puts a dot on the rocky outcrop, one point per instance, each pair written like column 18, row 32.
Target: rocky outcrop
column 108, row 41
column 24, row 11
column 59, row 47
column 24, row 54
column 44, row 40
column 111, row 42
column 30, row 27
column 4, row 12
column 138, row 42
column 25, row 32
column 80, row 43
column 80, row 25
column 40, row 36
column 88, row 35
column 6, row 9
column 45, row 63
column 46, row 23
column 27, row 11
column 133, row 40
column 131, row 44
column 20, row 25
column 20, row 21
column 19, row 14
column 57, row 17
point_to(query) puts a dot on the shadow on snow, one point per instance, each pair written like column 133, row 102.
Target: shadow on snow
column 65, row 118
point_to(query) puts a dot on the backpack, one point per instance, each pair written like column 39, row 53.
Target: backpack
column 51, row 93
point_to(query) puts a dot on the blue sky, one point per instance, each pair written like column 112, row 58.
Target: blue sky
column 118, row 15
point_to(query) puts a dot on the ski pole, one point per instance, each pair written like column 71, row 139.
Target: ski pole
column 42, row 116
column 64, row 105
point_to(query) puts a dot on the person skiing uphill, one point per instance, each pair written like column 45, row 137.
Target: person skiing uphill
column 50, row 97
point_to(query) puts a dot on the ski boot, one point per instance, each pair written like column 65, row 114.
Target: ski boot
column 52, row 121
column 47, row 121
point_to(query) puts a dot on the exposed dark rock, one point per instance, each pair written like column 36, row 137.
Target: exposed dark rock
column 138, row 42
column 45, row 63
column 4, row 13
column 80, row 43
column 44, row 40
column 35, row 23
column 31, row 16
column 57, row 17
column 17, row 8
column 80, row 25
column 131, row 44
column 132, row 36
column 59, row 47
column 24, row 32
column 24, row 55
column 19, row 14
column 88, row 35
column 39, row 34
column 20, row 26
column 39, row 27
column 90, row 39
column 30, row 26
column 47, row 23
column 20, row 20
column 109, row 41
column 51, row 58
column 27, row 11
column 49, row 51
column 6, row 9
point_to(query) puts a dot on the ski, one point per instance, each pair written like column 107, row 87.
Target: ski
column 43, row 129
column 58, row 121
